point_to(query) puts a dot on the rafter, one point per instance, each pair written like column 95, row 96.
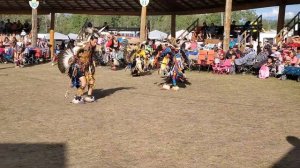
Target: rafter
column 107, row 3
column 18, row 3
column 72, row 5
column 159, row 5
column 78, row 4
column 129, row 4
column 100, row 5
column 59, row 4
column 187, row 3
column 90, row 5
column 119, row 5
column 116, row 7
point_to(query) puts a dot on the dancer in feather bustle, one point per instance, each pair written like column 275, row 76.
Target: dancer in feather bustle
column 81, row 69
column 173, row 67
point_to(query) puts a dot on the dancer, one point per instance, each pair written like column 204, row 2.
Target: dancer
column 81, row 69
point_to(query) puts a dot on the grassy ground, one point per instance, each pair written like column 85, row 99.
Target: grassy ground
column 217, row 121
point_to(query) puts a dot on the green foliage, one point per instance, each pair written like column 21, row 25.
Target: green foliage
column 269, row 25
column 243, row 16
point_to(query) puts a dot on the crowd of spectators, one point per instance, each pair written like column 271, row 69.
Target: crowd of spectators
column 212, row 31
column 16, row 27
column 270, row 57
column 18, row 49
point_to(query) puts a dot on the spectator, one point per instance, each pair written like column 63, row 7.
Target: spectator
column 211, row 31
column 26, row 27
column 18, row 56
column 89, row 24
column 274, row 49
column 232, row 29
column 63, row 45
column 14, row 40
column 2, row 27
column 238, row 52
column 6, row 41
column 200, row 36
column 57, row 48
column 230, row 53
column 14, row 27
column 293, row 58
column 258, row 50
column 9, row 54
column 106, row 26
column 109, row 42
column 8, row 27
column 246, row 26
column 220, row 44
column 232, row 42
column 19, row 27
column 2, row 52
column 204, row 29
column 194, row 36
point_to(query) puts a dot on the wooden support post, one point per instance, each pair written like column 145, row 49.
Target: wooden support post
column 281, row 14
column 143, row 24
column 228, row 10
column 52, row 42
column 34, row 28
column 173, row 26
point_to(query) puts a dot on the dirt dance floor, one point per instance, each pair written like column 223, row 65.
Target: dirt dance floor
column 218, row 121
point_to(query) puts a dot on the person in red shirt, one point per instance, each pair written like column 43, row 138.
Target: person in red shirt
column 109, row 42
column 2, row 51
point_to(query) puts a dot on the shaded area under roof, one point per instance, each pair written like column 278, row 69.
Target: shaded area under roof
column 132, row 7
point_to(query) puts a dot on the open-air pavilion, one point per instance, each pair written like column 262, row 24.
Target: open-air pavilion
column 235, row 121
column 133, row 7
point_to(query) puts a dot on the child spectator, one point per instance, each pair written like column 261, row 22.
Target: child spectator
column 18, row 56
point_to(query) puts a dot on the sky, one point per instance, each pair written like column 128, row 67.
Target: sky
column 272, row 12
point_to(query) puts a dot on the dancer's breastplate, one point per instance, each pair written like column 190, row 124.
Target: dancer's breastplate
column 85, row 60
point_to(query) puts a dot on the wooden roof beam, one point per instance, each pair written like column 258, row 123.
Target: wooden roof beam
column 99, row 4
column 18, row 3
column 107, row 3
column 59, row 4
column 90, row 5
column 217, row 2
column 71, row 4
column 162, row 9
column 159, row 5
column 132, row 7
column 119, row 5
column 187, row 3
column 76, row 1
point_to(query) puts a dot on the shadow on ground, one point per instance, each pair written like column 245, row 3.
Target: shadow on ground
column 292, row 158
column 100, row 93
column 10, row 67
column 32, row 155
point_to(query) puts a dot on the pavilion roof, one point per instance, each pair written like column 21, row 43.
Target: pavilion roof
column 132, row 7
